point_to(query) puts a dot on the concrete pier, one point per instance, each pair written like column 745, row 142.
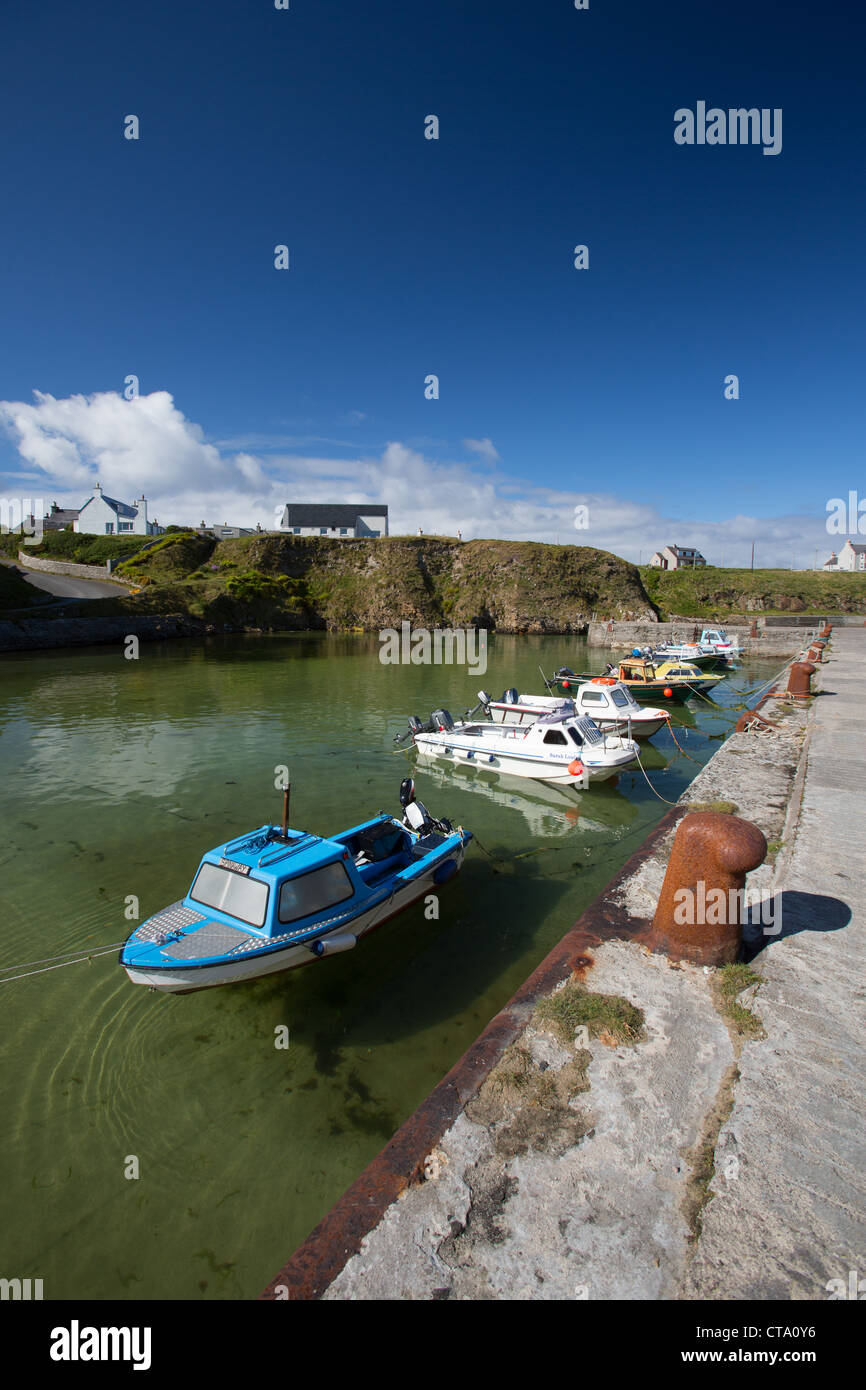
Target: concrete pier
column 715, row 1151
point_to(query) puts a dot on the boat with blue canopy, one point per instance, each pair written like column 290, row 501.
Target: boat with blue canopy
column 276, row 898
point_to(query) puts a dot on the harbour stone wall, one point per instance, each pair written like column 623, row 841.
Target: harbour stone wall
column 770, row 641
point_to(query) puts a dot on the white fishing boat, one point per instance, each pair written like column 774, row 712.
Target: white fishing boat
column 557, row 747
column 608, row 702
column 699, row 654
column 725, row 646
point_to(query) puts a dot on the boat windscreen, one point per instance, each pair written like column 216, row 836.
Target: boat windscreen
column 590, row 730
column 230, row 892
column 622, row 698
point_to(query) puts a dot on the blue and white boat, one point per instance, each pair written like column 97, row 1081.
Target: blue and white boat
column 276, row 898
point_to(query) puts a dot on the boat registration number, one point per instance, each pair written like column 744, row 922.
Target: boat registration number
column 233, row 864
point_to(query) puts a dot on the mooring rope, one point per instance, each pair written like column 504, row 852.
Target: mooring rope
column 78, row 960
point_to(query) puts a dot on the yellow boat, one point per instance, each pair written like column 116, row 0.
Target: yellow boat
column 670, row 680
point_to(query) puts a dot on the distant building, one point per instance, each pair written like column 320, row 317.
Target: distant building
column 59, row 518
column 226, row 532
column 105, row 516
column 677, row 557
column 831, row 564
column 852, row 556
column 336, row 520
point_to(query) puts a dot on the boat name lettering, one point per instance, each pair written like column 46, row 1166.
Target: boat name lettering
column 235, row 866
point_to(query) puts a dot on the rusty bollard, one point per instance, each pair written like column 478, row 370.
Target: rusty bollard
column 753, row 630
column 799, row 681
column 700, row 909
column 816, row 651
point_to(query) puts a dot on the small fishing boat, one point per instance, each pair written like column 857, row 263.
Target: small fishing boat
column 557, row 747
column 277, row 898
column 724, row 646
column 608, row 702
column 704, row 657
column 670, row 680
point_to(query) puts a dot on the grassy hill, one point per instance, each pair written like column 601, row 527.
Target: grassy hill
column 283, row 582
column 724, row 594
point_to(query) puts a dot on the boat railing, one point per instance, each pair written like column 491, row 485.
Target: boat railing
column 283, row 853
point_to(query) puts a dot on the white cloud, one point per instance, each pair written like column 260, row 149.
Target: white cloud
column 483, row 447
column 148, row 444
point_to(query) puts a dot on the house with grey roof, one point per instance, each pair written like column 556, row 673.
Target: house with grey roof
column 59, row 518
column 105, row 516
column 675, row 557
column 337, row 520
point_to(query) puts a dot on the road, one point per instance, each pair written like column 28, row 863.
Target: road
column 68, row 587
column 65, row 586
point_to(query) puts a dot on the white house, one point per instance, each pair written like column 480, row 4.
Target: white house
column 852, row 556
column 104, row 516
column 358, row 519
column 832, row 564
column 675, row 557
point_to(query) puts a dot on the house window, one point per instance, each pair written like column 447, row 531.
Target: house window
column 109, row 528
column 296, row 530
column 344, row 530
column 124, row 526
column 323, row 530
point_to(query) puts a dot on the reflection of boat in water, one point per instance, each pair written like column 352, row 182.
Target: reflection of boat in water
column 549, row 810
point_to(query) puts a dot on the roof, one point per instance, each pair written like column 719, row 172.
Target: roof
column 120, row 508
column 858, row 549
column 330, row 514
column 683, row 550
column 59, row 517
column 271, row 858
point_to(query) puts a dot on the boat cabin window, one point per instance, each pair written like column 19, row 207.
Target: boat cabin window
column 554, row 736
column 593, row 696
column 239, row 896
column 621, row 698
column 313, row 892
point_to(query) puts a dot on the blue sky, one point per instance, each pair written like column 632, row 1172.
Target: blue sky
column 412, row 256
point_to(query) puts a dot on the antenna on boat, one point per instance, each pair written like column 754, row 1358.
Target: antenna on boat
column 286, row 795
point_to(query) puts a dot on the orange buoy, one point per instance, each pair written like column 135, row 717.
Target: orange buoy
column 576, row 768
column 668, row 692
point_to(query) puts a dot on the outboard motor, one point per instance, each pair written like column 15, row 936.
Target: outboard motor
column 415, row 813
column 441, row 721
column 563, row 671
column 509, row 697
column 415, row 727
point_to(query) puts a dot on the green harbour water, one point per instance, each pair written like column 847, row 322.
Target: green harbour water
column 117, row 775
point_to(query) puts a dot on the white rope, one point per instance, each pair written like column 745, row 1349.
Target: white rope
column 78, row 961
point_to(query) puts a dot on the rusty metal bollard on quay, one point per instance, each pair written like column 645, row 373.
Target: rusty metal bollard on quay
column 800, row 680
column 700, row 910
column 816, row 651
